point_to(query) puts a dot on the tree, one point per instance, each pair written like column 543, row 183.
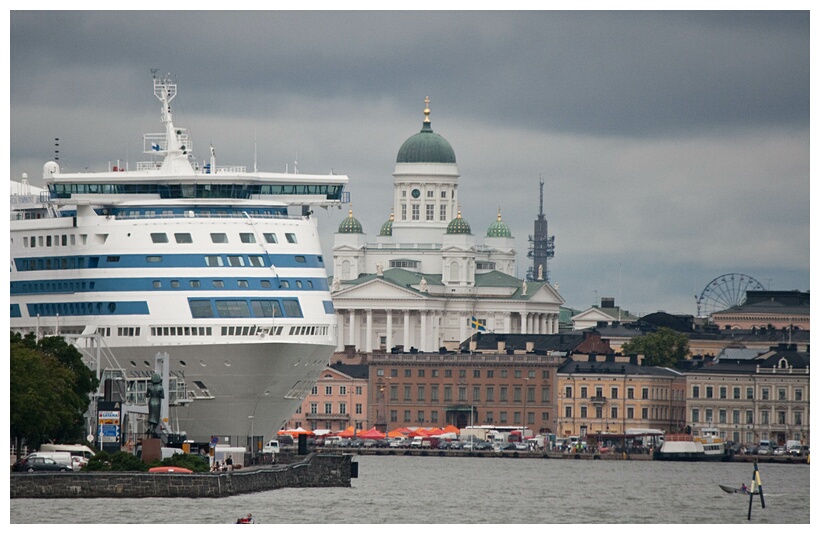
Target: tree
column 49, row 390
column 663, row 347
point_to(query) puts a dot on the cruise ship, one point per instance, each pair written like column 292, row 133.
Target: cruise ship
column 217, row 267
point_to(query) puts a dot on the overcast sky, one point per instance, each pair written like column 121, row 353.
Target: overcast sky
column 674, row 146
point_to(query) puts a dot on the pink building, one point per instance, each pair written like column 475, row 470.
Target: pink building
column 337, row 401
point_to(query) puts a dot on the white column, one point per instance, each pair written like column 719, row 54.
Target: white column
column 543, row 329
column 424, row 336
column 462, row 327
column 340, row 332
column 389, row 341
column 368, row 343
column 508, row 323
column 406, row 330
column 523, row 328
column 352, row 325
column 554, row 323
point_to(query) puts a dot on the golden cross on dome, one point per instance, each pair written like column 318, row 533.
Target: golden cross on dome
column 426, row 109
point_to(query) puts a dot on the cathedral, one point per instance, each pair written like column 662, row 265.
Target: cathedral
column 426, row 282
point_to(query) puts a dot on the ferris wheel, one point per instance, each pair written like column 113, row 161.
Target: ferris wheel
column 725, row 291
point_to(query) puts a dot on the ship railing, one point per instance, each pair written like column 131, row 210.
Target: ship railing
column 190, row 214
column 678, row 437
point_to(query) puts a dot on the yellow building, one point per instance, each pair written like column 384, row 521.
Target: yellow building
column 612, row 393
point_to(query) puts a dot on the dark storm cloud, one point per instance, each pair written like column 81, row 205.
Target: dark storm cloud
column 674, row 146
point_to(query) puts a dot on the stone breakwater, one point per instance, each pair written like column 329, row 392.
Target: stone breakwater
column 317, row 470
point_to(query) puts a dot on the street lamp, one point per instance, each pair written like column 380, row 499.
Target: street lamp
column 253, row 442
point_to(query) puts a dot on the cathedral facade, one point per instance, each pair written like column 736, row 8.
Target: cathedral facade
column 426, row 282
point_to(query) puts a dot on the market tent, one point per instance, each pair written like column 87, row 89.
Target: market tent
column 295, row 432
column 451, row 428
column 436, row 432
column 372, row 434
column 348, row 432
column 418, row 432
column 396, row 434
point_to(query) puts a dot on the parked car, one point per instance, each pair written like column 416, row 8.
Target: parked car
column 36, row 464
column 763, row 451
column 521, row 447
column 483, row 446
column 800, row 450
column 780, row 451
column 356, row 443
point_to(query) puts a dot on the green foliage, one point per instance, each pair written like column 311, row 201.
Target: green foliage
column 48, row 390
column 119, row 461
column 663, row 347
column 194, row 462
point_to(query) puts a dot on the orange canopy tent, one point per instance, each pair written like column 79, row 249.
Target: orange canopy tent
column 295, row 432
column 451, row 428
column 436, row 432
column 419, row 432
column 349, row 432
column 396, row 434
column 372, row 434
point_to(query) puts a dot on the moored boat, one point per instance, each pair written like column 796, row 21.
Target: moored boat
column 217, row 267
column 707, row 447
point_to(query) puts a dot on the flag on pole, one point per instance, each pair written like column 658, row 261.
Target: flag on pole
column 476, row 325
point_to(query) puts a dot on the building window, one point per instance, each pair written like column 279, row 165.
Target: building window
column 408, row 373
column 434, row 373
column 406, row 416
column 583, row 412
column 489, row 418
column 421, row 393
column 434, row 416
column 722, row 392
column 328, row 390
column 750, row 417
column 708, row 392
column 722, row 417
column 695, row 415
column 568, row 392
column 476, row 394
column 342, row 390
column 545, row 395
column 630, row 393
column 490, row 373
column 462, row 394
column 502, row 397
column 613, row 393
column 407, row 393
column 583, row 392
column 781, row 417
column 736, row 393
column 545, row 374
column 708, row 416
column 342, row 408
column 798, row 394
column 359, row 408
column 645, row 393
column 448, row 393
column 448, row 373
column 613, row 412
column 644, row 413
column 429, row 210
column 568, row 411
column 695, row 392
column 442, row 211
column 404, row 212
column 490, row 394
column 517, row 394
column 750, row 395
column 781, row 394
column 421, row 416
column 798, row 418
column 735, row 417
column 434, row 393
column 421, row 373
column 314, row 407
column 476, row 373
column 630, row 412
column 415, row 208
column 394, row 416
column 764, row 394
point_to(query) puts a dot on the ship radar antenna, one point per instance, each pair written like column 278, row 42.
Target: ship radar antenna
column 541, row 195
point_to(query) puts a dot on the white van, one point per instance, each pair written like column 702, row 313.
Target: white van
column 75, row 450
column 271, row 447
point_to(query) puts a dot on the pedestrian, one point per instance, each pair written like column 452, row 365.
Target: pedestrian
column 229, row 463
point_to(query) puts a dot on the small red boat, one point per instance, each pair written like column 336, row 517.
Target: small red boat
column 170, row 469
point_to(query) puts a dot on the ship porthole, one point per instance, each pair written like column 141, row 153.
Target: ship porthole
column 182, row 363
column 227, row 363
column 146, row 364
column 133, row 363
column 202, row 363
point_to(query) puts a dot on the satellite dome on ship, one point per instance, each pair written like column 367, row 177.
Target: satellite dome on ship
column 351, row 225
column 426, row 146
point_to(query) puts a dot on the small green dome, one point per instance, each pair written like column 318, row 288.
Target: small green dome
column 387, row 228
column 351, row 225
column 426, row 146
column 458, row 226
column 499, row 228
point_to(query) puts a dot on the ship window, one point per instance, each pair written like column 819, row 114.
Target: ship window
column 266, row 308
column 219, row 283
column 310, row 284
column 159, row 237
column 247, row 238
column 201, row 309
column 291, row 238
column 299, row 284
column 219, row 238
column 292, row 308
column 236, row 261
column 300, row 259
column 175, row 283
column 270, row 238
column 64, row 239
column 183, row 238
column 112, row 259
column 328, row 304
column 194, row 283
column 213, row 261
column 256, row 261
column 265, row 283
column 153, row 259
column 284, row 284
column 157, row 284
column 48, row 240
column 232, row 308
column 242, row 283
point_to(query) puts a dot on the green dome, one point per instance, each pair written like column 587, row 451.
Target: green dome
column 387, row 228
column 351, row 225
column 499, row 228
column 458, row 226
column 426, row 146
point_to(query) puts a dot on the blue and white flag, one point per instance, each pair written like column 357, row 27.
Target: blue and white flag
column 155, row 147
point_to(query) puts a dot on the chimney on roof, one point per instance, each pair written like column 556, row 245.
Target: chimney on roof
column 610, row 357
column 530, row 346
column 502, row 346
column 593, row 357
column 607, row 302
column 633, row 359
